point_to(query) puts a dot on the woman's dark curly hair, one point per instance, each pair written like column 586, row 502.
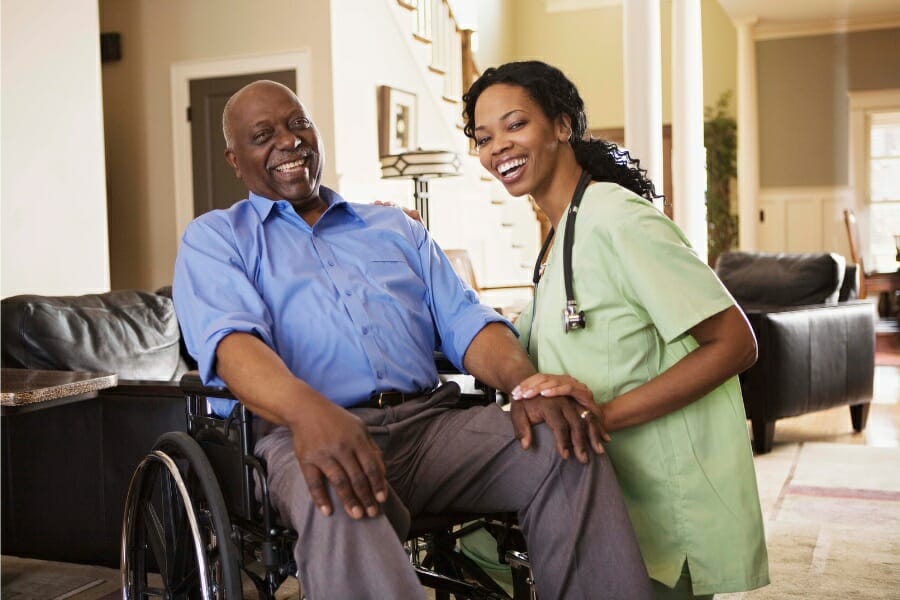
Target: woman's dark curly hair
column 556, row 95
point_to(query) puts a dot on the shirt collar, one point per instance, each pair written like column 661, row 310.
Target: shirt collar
column 335, row 201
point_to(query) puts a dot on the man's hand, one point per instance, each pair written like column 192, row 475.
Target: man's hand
column 330, row 443
column 333, row 445
column 566, row 405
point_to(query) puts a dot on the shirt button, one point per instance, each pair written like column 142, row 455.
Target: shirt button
column 348, row 293
column 379, row 375
column 365, row 330
column 330, row 263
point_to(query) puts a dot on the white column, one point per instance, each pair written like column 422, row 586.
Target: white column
column 643, row 86
column 747, row 137
column 688, row 154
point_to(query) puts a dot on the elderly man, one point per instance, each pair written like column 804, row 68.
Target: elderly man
column 322, row 317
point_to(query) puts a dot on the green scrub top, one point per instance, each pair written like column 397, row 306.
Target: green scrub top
column 687, row 477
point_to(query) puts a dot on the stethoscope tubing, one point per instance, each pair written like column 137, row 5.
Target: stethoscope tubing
column 572, row 317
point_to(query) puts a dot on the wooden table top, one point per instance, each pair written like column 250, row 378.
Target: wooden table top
column 19, row 387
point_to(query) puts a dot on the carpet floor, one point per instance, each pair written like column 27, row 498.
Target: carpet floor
column 832, row 524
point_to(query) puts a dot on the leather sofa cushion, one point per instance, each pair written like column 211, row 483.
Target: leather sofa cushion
column 758, row 279
column 132, row 333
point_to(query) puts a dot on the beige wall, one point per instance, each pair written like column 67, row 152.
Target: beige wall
column 495, row 32
column 587, row 46
column 137, row 107
column 803, row 111
column 53, row 183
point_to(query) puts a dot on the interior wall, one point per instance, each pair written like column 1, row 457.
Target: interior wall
column 803, row 104
column 137, row 106
column 54, row 231
column 505, row 227
column 497, row 24
column 587, row 45
column 360, row 24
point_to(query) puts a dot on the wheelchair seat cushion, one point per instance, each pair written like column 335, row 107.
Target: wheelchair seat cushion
column 132, row 333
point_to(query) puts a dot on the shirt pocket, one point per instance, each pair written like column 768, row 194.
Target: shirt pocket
column 392, row 279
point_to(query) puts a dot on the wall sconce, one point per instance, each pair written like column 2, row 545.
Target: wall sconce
column 420, row 166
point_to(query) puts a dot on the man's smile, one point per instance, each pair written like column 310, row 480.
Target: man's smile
column 291, row 166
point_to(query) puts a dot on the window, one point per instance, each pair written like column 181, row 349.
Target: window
column 883, row 165
column 875, row 174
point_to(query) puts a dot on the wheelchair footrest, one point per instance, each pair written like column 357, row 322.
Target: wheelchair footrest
column 523, row 580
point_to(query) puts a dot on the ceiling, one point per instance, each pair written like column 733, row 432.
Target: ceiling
column 775, row 18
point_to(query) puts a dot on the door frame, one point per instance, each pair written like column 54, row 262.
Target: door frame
column 181, row 73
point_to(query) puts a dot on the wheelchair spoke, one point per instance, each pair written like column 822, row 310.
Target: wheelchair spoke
column 177, row 523
column 155, row 537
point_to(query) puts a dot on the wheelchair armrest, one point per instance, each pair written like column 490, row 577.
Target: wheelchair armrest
column 443, row 364
column 192, row 384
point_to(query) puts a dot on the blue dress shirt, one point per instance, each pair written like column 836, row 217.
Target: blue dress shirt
column 355, row 304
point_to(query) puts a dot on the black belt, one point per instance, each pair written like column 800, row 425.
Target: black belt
column 391, row 398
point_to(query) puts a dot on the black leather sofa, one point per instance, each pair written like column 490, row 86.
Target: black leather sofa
column 66, row 469
column 816, row 340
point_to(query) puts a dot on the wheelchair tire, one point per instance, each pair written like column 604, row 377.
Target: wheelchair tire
column 176, row 524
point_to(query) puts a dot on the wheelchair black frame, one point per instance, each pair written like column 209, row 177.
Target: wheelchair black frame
column 262, row 542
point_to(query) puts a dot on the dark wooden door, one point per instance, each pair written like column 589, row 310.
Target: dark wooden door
column 215, row 184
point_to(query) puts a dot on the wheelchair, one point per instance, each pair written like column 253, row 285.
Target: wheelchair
column 198, row 523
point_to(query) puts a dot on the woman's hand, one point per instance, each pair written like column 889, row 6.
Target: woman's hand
column 410, row 212
column 548, row 386
column 543, row 384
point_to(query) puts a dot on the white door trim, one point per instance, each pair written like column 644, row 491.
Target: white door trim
column 180, row 76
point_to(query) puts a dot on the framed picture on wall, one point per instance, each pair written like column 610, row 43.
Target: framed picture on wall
column 396, row 121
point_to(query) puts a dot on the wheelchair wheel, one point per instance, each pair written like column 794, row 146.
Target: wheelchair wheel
column 176, row 533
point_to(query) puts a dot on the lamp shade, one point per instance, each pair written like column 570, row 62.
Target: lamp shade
column 420, row 164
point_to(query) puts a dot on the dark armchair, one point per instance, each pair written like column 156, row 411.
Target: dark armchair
column 816, row 340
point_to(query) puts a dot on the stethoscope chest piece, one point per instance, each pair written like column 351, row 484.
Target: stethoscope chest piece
column 572, row 317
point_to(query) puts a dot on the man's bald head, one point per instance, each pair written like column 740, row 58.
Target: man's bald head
column 228, row 125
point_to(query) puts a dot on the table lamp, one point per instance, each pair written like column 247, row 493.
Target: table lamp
column 420, row 166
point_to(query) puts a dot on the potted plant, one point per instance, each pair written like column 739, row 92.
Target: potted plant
column 720, row 139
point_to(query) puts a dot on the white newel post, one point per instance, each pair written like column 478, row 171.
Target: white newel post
column 688, row 154
column 643, row 86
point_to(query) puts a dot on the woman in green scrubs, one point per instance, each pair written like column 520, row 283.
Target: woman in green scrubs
column 660, row 344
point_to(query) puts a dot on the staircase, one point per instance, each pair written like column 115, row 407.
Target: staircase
column 474, row 212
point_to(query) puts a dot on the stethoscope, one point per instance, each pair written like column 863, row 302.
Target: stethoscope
column 572, row 317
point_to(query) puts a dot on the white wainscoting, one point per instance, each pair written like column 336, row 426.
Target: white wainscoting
column 804, row 219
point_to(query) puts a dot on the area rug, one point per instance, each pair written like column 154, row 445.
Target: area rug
column 833, row 529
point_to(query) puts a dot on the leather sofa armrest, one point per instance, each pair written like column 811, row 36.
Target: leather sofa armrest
column 810, row 358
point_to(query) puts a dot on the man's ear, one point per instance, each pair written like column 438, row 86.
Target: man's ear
column 564, row 128
column 232, row 160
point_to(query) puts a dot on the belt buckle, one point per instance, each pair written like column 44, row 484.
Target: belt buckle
column 380, row 399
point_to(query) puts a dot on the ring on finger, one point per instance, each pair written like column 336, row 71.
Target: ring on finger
column 584, row 414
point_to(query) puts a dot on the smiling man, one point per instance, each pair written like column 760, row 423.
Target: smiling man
column 322, row 317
